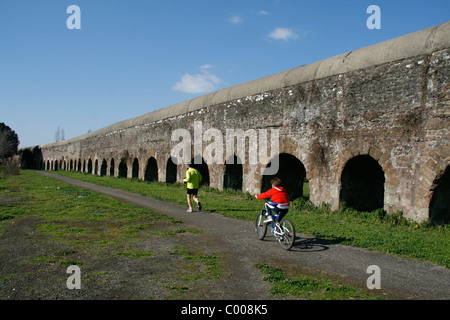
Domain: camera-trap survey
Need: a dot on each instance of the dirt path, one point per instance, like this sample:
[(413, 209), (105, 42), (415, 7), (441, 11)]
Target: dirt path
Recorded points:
[(400, 278)]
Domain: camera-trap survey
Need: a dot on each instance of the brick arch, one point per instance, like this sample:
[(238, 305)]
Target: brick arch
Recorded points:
[(382, 157), (363, 184), (89, 166), (439, 209), (234, 173), (103, 167), (292, 173), (430, 174), (112, 167), (135, 167), (171, 170), (199, 163), (123, 168), (151, 169)]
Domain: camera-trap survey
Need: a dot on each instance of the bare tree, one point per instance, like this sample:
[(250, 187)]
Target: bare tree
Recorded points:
[(58, 134)]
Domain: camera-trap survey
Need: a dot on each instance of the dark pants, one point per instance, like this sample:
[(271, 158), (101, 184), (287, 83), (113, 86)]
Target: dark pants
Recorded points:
[(274, 207)]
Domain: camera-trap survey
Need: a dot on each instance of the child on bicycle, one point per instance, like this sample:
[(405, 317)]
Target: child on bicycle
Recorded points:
[(279, 200)]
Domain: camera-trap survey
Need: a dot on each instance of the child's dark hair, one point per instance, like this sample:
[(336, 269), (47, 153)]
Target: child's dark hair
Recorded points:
[(276, 182)]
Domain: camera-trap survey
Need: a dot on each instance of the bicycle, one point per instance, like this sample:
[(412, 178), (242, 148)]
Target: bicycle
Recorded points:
[(283, 231)]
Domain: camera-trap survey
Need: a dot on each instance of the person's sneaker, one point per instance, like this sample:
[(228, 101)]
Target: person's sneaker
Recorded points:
[(189, 210), (199, 206), (269, 219)]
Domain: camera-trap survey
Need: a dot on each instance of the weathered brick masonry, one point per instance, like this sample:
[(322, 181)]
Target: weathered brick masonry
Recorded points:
[(370, 127)]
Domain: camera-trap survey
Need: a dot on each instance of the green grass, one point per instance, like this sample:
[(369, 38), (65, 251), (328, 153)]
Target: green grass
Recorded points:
[(69, 225), (372, 230), (212, 260), (136, 254), (308, 287)]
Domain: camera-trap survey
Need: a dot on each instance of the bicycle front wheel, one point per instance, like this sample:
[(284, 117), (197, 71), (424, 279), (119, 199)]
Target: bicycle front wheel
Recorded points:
[(260, 226), (287, 238)]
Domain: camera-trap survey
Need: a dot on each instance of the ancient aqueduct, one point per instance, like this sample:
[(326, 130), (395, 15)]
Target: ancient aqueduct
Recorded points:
[(369, 128)]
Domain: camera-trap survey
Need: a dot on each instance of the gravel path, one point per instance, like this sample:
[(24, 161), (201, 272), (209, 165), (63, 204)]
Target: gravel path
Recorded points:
[(400, 278)]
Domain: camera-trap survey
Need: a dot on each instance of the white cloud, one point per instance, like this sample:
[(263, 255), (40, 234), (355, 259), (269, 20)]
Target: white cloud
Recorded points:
[(206, 66), (263, 13), (283, 34), (235, 19), (204, 82)]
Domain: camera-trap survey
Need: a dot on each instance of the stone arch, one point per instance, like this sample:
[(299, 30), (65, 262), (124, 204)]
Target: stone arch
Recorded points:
[(135, 168), (89, 166), (440, 201), (111, 168), (171, 171), (96, 167), (123, 168), (362, 184), (233, 176), (292, 173), (200, 164), (103, 168), (151, 170)]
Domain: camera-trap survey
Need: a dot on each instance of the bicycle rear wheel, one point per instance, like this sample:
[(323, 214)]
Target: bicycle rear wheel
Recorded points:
[(260, 226), (287, 239)]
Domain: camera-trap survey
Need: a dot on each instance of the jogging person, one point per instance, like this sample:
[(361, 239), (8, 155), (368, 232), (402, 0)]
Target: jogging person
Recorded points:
[(279, 200), (193, 179)]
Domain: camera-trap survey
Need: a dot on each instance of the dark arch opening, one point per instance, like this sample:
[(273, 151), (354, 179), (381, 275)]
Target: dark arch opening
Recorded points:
[(151, 170), (233, 174), (48, 165), (96, 167), (440, 202), (103, 168), (135, 169), (123, 168), (199, 163), (363, 184), (292, 173), (171, 171), (56, 165), (89, 169), (111, 168), (79, 165)]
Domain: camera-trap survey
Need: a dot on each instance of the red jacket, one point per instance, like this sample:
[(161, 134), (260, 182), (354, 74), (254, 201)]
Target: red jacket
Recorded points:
[(277, 194)]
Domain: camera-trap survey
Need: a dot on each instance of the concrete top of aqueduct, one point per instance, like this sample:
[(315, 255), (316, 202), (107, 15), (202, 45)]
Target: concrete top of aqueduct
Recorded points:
[(422, 42)]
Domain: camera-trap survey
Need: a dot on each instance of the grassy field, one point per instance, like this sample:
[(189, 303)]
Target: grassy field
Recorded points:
[(50, 225), (123, 250), (372, 230)]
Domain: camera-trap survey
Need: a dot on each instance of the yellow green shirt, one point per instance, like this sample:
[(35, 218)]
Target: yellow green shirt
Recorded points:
[(193, 178)]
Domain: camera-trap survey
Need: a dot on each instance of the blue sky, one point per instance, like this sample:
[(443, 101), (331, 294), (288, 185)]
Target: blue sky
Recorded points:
[(131, 57)]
